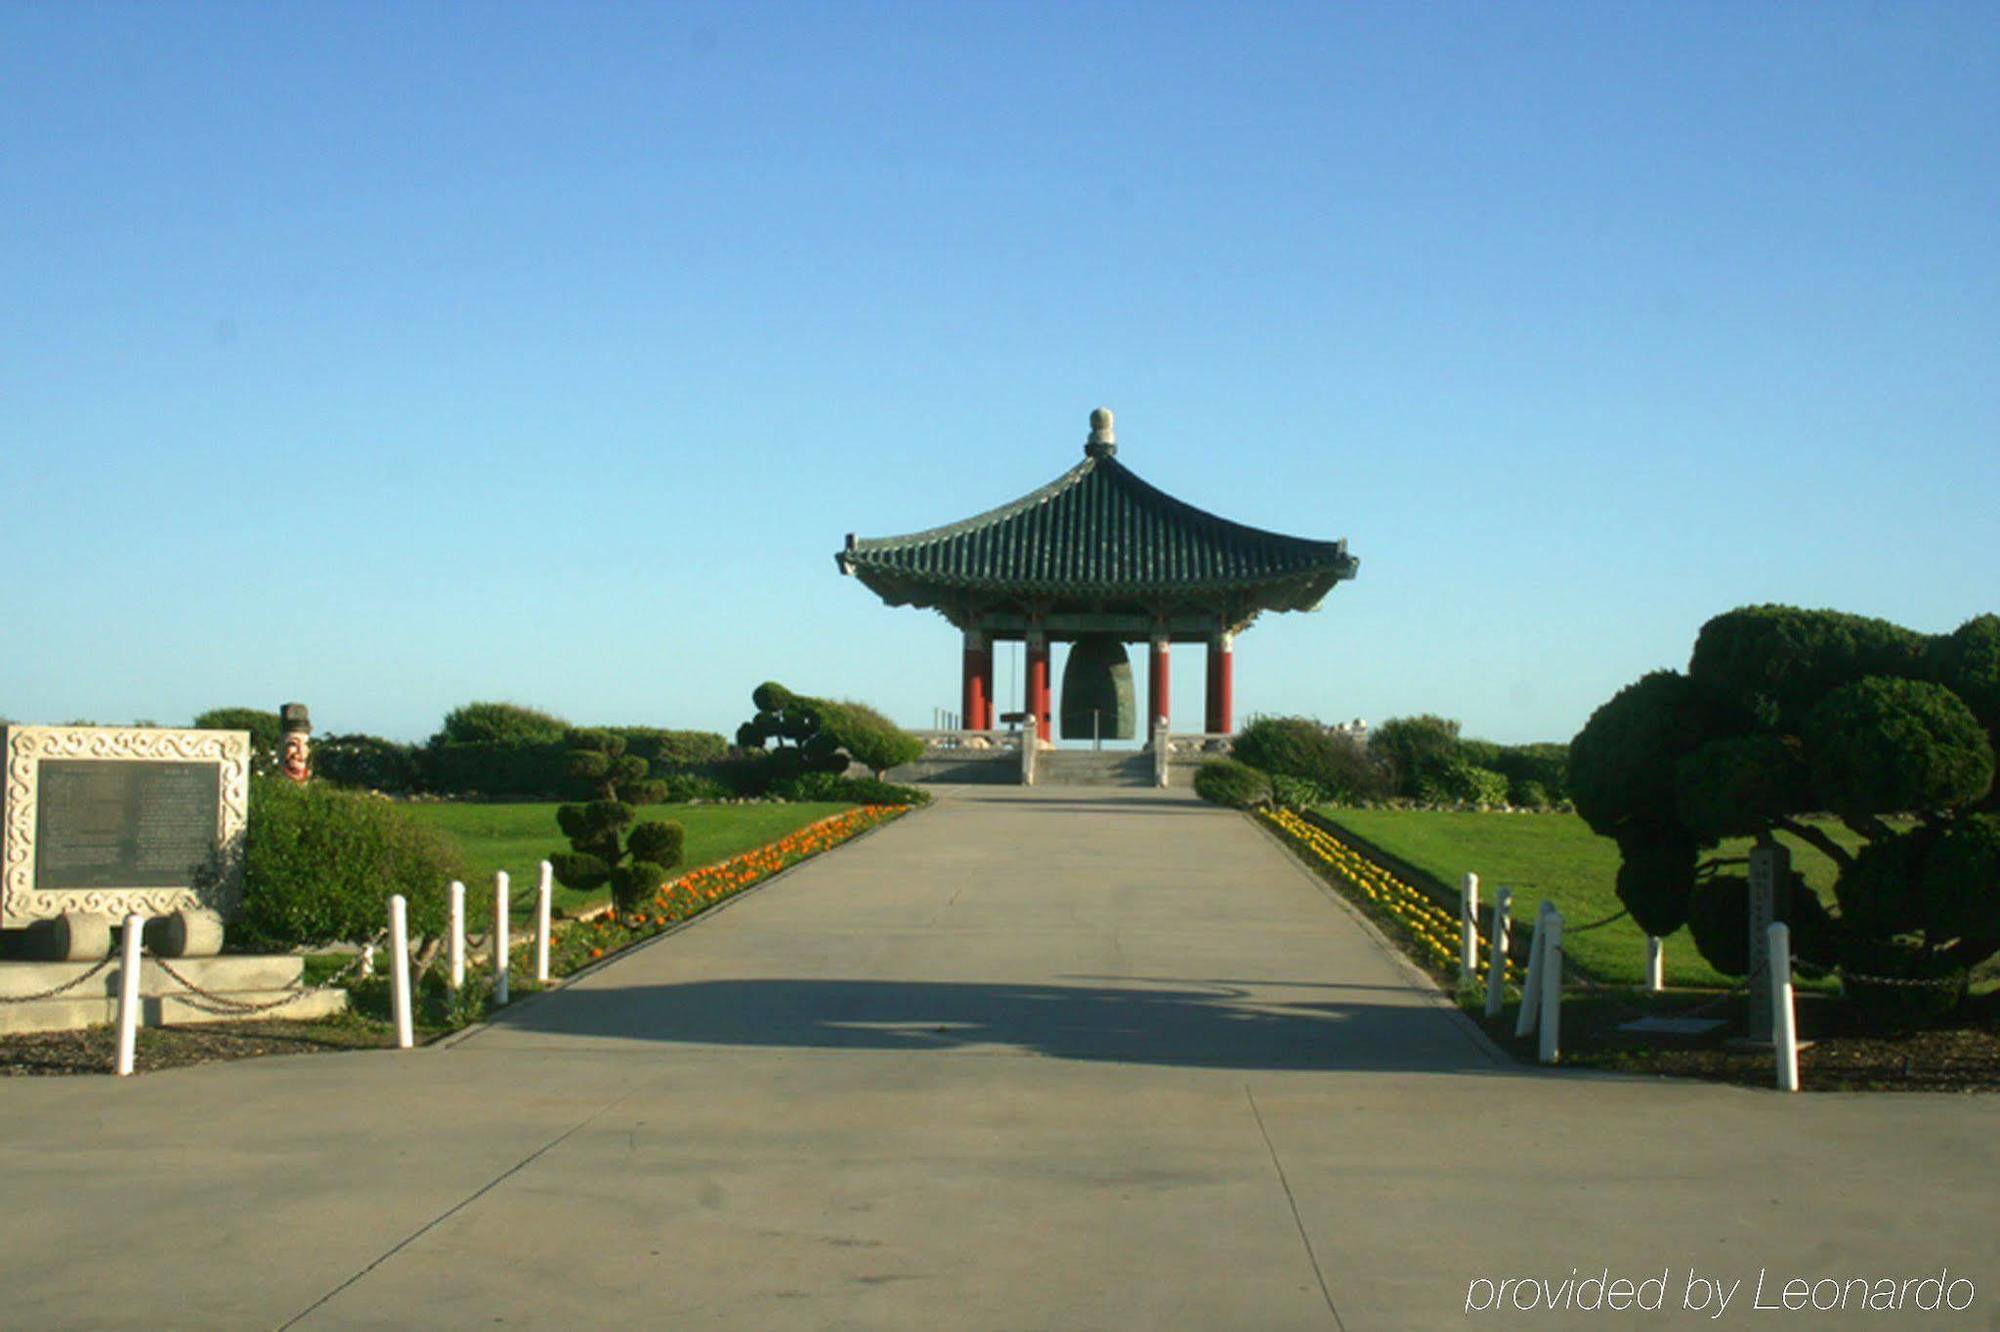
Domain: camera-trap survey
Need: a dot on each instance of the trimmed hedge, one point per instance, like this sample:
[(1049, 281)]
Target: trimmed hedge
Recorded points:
[(320, 865), (1227, 782)]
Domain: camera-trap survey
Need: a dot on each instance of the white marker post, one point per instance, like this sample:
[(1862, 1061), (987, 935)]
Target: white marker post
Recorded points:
[(1784, 1020), (457, 945), (399, 969), (500, 942), (128, 994), (368, 959), (1496, 963), (1552, 986), (1656, 964), (1530, 987), (544, 892), (1468, 929)]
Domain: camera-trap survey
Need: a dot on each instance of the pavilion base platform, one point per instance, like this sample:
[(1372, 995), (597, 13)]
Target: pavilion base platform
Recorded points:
[(164, 1001)]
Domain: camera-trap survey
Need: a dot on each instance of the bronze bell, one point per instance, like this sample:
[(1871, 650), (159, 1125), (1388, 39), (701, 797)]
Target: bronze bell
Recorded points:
[(1098, 679)]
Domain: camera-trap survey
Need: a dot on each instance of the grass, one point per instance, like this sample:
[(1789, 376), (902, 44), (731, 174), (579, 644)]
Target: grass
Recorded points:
[(1556, 856), (517, 838)]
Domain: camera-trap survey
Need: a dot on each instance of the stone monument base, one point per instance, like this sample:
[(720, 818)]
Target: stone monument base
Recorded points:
[(164, 1001)]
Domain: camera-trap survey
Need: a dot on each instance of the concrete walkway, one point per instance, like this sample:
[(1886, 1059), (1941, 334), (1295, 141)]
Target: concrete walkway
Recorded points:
[(1087, 1059)]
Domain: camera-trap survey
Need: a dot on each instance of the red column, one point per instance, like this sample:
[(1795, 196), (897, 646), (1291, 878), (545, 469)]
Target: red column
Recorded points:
[(1158, 706), (1221, 685), (990, 704), (1038, 681), (976, 688)]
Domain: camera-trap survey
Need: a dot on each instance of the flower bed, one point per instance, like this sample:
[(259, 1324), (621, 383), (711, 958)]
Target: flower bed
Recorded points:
[(575, 944), (1429, 932)]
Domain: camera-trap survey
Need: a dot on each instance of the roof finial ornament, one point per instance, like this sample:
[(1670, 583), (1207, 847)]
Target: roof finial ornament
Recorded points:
[(1103, 441)]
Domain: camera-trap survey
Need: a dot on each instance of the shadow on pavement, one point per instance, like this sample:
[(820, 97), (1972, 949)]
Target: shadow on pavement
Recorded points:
[(1182, 1027)]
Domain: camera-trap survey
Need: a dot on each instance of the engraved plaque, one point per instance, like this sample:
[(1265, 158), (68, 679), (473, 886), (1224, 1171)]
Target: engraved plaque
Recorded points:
[(110, 820), (124, 824)]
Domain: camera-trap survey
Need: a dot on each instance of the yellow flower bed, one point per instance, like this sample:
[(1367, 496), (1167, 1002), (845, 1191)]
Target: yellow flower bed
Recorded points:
[(1429, 927)]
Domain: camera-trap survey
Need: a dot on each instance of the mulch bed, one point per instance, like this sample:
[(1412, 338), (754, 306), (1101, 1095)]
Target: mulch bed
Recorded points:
[(95, 1049), (1846, 1054)]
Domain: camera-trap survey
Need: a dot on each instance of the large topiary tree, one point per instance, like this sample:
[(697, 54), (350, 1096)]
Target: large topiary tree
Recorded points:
[(1784, 713), (602, 851)]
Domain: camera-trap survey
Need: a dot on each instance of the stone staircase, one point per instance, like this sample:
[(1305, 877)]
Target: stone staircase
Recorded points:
[(1093, 767)]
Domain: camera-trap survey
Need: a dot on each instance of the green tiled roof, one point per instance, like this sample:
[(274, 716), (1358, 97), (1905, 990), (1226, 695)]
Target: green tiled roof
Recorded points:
[(1098, 530)]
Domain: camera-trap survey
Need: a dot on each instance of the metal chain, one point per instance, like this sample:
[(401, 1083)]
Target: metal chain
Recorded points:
[(222, 1004), (63, 988)]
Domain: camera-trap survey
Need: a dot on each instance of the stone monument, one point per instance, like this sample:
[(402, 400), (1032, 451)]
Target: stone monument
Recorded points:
[(98, 822)]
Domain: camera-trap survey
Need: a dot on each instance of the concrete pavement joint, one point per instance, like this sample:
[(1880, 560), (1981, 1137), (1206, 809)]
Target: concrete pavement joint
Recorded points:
[(1292, 1202), (462, 1204)]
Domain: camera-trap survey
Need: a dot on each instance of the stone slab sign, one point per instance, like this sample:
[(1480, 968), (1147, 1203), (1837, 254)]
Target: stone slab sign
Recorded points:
[(110, 820)]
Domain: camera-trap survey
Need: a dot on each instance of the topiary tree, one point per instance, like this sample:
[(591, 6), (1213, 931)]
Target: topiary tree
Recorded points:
[(1786, 712), (810, 735), (597, 758), (601, 851)]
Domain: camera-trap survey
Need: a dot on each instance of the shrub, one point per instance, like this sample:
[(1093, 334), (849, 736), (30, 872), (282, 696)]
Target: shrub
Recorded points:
[(682, 787), (1298, 792), (266, 733), (858, 790), (669, 750), (1410, 745), (1454, 781), (320, 865), (1302, 748), (1543, 764), (499, 724), (368, 762), (523, 771), (869, 738), (1227, 782)]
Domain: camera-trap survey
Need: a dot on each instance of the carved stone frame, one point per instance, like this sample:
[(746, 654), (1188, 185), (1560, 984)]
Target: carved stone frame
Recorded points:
[(26, 746)]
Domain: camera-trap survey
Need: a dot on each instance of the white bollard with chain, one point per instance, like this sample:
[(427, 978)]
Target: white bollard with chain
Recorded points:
[(457, 944), (1496, 965), (500, 942), (1552, 986), (544, 892), (128, 995), (1784, 1019), (1524, 1022), (1468, 929), (1656, 964), (399, 969)]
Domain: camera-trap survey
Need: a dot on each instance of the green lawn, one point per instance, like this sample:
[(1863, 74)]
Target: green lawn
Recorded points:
[(1556, 856), (517, 838)]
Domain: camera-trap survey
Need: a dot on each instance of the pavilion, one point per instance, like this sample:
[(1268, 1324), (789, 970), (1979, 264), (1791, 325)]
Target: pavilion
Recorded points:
[(1098, 558)]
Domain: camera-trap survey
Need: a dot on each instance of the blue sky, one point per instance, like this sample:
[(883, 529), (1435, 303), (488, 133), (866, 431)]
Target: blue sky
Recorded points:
[(392, 356)]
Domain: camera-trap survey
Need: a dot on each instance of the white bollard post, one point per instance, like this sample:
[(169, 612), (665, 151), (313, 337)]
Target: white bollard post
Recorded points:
[(1496, 963), (128, 994), (1552, 986), (1531, 992), (457, 945), (500, 940), (399, 969), (1784, 1019), (544, 893), (368, 959), (1468, 929), (1656, 964)]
